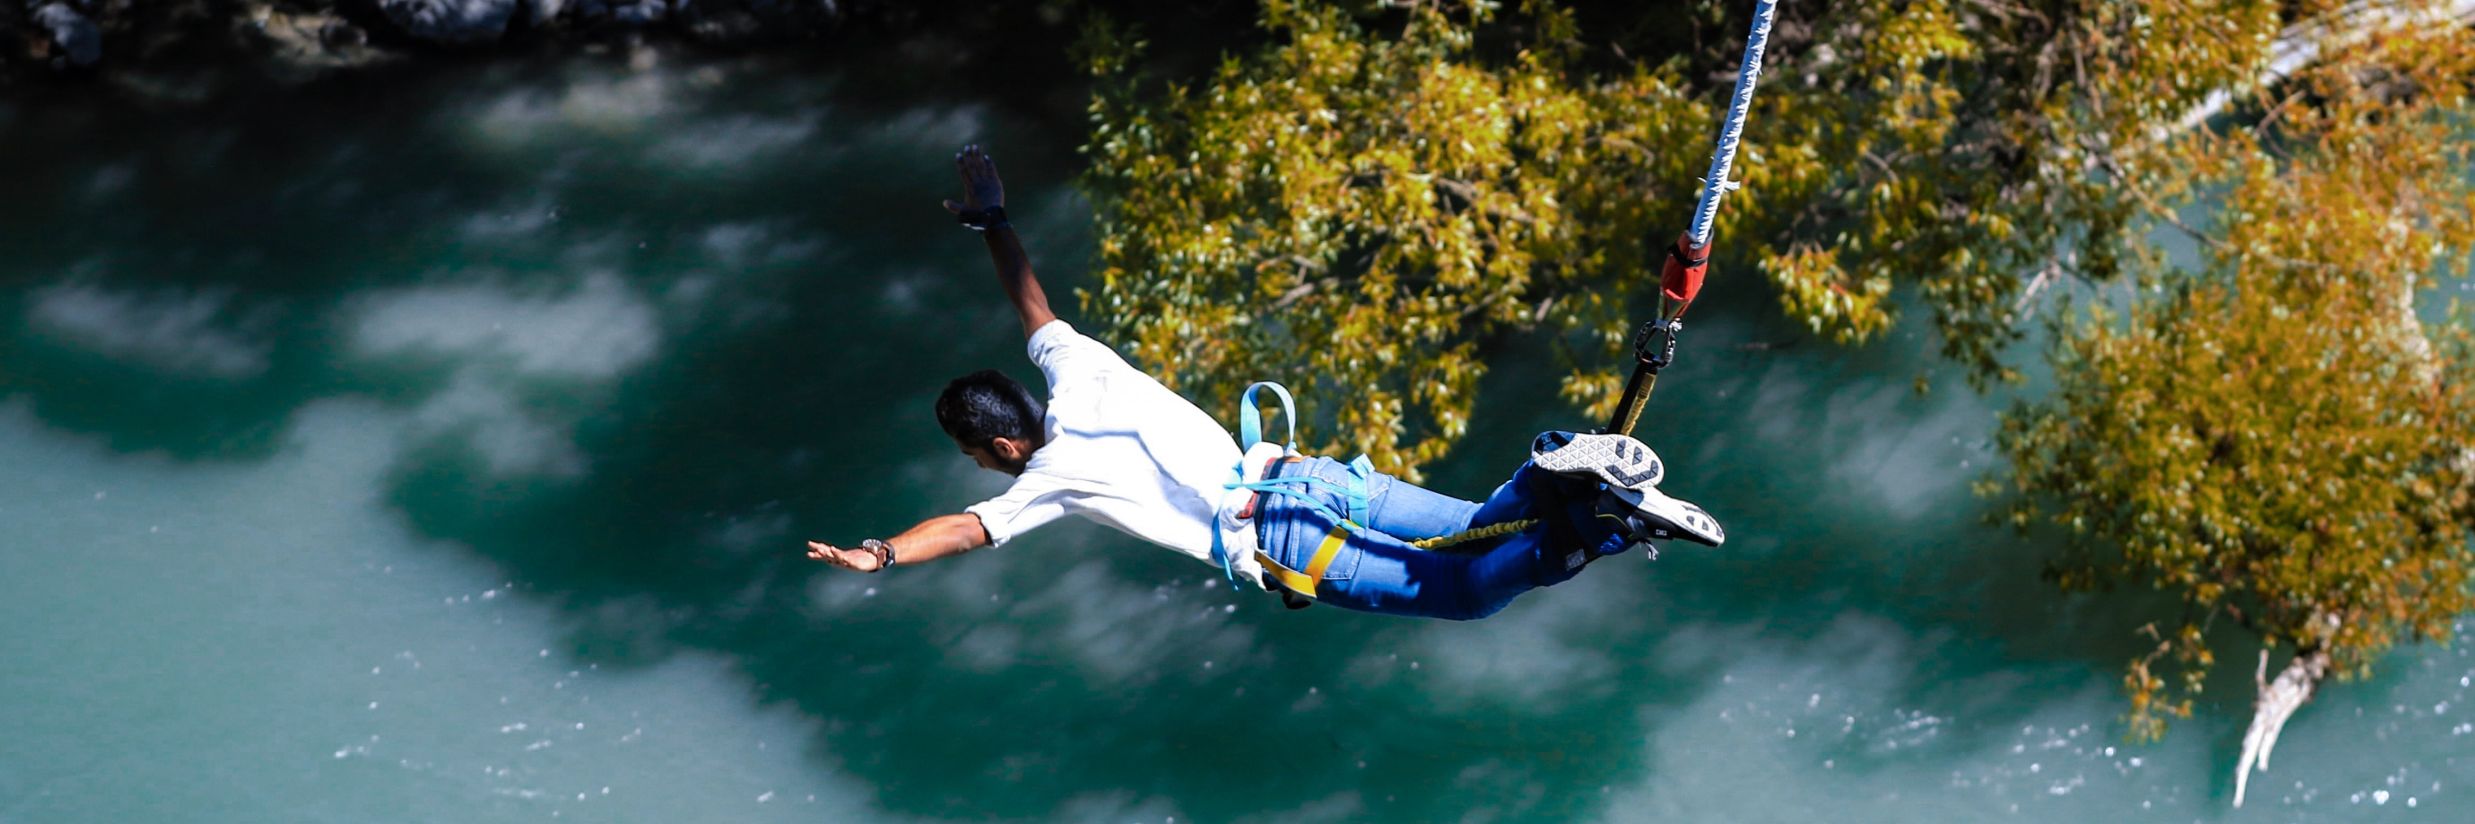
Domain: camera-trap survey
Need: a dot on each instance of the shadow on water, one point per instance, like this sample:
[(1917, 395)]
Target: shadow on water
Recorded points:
[(790, 399)]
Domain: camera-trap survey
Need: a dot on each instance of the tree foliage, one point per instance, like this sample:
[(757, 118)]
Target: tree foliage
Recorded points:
[(2278, 438), (1356, 214), (1364, 201)]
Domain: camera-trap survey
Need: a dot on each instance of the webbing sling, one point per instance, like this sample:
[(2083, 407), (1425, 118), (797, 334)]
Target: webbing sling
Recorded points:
[(1250, 432), (1250, 418)]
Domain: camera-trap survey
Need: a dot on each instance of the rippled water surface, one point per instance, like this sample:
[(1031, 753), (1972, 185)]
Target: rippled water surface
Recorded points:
[(435, 447)]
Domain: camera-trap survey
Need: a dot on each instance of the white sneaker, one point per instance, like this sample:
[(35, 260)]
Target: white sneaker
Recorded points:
[(1615, 460), (1651, 514)]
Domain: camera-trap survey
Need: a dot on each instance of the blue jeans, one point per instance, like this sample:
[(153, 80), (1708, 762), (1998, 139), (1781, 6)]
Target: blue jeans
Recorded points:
[(1377, 570)]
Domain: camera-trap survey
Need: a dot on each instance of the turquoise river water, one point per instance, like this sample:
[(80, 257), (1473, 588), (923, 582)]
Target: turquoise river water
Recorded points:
[(435, 446)]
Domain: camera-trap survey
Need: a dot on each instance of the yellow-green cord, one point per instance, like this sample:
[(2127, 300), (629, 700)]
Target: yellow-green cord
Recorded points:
[(1481, 533)]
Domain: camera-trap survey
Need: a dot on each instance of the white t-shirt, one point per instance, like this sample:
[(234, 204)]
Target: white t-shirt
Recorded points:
[(1122, 450)]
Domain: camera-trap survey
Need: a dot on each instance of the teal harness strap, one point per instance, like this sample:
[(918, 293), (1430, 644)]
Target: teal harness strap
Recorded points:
[(1286, 487), (1250, 419), (1220, 553), (1359, 470), (1250, 432)]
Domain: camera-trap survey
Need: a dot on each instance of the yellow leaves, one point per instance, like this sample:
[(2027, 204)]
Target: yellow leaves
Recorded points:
[(2235, 442), (1363, 208), (1597, 393), (1812, 285), (1359, 210)]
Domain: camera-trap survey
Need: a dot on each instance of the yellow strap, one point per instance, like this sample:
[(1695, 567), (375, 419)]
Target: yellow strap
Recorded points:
[(1303, 583), (1331, 548)]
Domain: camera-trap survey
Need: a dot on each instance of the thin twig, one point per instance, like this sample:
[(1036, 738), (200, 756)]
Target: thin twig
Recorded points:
[(1300, 291), (2106, 161)]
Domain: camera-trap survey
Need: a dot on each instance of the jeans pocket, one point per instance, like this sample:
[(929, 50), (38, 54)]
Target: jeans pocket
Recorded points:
[(1296, 534)]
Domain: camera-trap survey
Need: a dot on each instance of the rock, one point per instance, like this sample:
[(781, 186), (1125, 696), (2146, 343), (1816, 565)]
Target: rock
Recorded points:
[(742, 21), (338, 35), (626, 13), (303, 42), (80, 42), (451, 22), (637, 13)]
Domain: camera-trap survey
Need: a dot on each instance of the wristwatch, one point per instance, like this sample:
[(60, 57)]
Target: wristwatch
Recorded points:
[(884, 552), (981, 220)]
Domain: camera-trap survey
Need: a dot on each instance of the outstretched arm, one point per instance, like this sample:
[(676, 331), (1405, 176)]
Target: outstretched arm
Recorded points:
[(982, 191), (934, 538)]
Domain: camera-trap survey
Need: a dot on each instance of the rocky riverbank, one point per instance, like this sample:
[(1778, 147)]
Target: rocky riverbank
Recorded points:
[(76, 38)]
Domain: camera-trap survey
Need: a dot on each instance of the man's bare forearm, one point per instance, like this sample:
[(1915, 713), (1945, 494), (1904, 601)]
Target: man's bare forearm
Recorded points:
[(1005, 249), (938, 537)]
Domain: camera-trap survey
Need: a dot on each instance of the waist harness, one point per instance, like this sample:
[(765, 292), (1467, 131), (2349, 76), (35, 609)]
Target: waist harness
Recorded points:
[(1297, 587)]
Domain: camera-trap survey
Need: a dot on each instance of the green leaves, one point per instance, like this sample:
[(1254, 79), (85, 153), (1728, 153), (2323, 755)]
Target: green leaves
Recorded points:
[(1359, 207), (1357, 213), (2278, 438)]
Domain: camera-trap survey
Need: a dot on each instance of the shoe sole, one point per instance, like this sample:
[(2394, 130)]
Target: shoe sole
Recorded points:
[(1615, 460), (1669, 518)]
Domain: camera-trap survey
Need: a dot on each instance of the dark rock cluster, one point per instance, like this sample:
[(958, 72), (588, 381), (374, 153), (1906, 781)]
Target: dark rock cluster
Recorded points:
[(467, 22), (64, 32), (81, 36)]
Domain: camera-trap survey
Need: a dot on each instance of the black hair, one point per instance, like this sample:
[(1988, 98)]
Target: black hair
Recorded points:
[(983, 406)]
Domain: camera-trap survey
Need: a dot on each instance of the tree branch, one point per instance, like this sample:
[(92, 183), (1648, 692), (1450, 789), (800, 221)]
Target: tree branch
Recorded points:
[(2278, 700), (1300, 291), (2123, 182)]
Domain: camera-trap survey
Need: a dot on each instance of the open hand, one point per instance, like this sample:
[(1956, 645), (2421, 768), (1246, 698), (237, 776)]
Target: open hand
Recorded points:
[(854, 559), (981, 188)]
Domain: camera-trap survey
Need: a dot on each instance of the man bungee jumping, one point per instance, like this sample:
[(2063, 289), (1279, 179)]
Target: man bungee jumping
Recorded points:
[(1114, 445)]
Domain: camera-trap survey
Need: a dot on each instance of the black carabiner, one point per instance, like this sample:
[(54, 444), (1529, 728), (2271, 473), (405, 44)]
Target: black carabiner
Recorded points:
[(1655, 344)]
